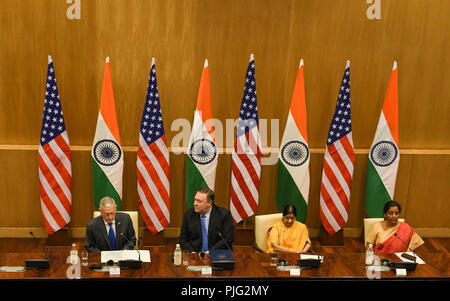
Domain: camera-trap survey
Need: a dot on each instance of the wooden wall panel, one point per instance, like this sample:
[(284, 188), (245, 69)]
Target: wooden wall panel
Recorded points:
[(181, 34), (19, 189), (427, 203), (30, 31), (82, 204), (421, 189)]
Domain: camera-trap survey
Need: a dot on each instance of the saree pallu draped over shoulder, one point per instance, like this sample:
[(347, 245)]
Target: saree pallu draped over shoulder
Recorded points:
[(398, 241)]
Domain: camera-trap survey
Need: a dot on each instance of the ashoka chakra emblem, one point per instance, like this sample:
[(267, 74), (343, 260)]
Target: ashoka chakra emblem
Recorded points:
[(203, 151), (107, 152), (295, 153), (383, 153)]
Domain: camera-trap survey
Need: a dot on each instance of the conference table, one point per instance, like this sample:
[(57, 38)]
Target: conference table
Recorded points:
[(249, 265), (252, 276)]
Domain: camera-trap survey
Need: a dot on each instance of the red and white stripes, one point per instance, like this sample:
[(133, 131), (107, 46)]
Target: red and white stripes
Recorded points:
[(153, 183), (245, 175), (336, 183), (55, 176)]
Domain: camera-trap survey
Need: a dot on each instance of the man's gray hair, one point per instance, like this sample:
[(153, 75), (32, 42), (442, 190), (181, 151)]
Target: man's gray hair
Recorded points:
[(106, 202)]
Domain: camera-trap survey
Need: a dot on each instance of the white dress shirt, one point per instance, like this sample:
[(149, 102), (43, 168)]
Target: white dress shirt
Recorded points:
[(207, 216), (113, 226)]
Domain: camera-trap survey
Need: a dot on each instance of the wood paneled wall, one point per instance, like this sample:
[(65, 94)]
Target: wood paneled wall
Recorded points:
[(180, 34)]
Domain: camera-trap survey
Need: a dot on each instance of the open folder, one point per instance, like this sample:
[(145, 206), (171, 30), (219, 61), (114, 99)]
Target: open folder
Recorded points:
[(116, 256)]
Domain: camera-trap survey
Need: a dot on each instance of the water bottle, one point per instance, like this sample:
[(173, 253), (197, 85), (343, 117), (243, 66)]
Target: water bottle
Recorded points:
[(74, 254), (177, 255), (369, 255)]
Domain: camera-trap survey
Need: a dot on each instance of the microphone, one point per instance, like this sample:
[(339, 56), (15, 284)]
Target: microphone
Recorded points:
[(130, 264), (39, 240), (31, 264), (407, 256), (222, 259), (309, 263), (313, 251), (123, 235), (220, 235)]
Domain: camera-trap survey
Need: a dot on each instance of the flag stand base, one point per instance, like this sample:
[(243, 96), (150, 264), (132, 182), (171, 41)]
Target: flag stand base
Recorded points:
[(327, 240), (153, 240), (59, 239)]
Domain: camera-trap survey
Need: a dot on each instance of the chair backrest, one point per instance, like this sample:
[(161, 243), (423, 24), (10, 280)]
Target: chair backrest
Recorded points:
[(369, 222), (262, 224), (134, 219)]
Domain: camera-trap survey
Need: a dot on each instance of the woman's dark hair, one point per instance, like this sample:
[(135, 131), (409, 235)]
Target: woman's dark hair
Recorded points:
[(390, 204), (289, 209)]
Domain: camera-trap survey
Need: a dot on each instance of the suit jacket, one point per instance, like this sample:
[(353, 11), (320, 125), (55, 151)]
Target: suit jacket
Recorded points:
[(191, 230), (97, 236)]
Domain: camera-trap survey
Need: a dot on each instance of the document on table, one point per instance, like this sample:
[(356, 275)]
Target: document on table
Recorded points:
[(125, 255), (307, 256), (418, 259)]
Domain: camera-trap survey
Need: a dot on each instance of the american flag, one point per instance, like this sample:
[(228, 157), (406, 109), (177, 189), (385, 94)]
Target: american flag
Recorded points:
[(153, 162), (55, 167), (246, 164), (338, 163)]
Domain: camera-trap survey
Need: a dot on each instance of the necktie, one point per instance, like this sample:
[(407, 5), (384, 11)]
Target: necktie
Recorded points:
[(112, 237), (204, 235)]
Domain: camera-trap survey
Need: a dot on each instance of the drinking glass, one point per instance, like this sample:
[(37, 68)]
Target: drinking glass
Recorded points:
[(273, 259), (84, 258), (186, 256)]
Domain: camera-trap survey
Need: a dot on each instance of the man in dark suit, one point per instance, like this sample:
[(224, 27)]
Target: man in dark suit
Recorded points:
[(205, 223), (103, 233)]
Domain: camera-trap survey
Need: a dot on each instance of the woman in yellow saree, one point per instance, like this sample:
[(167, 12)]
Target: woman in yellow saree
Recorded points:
[(392, 236), (288, 235)]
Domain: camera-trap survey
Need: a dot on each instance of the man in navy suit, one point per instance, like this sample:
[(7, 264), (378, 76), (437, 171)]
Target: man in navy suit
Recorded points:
[(103, 233), (205, 223)]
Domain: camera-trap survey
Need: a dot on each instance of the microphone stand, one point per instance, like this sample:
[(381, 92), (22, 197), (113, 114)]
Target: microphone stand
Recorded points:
[(408, 248), (43, 248), (220, 235), (225, 263), (37, 263), (309, 263), (131, 264), (409, 266), (312, 251)]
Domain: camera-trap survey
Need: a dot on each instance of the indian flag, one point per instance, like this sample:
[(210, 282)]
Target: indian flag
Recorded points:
[(384, 154), (201, 157), (107, 154), (293, 158)]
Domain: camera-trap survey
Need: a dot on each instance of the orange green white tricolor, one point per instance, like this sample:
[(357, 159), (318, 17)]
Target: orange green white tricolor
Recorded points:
[(201, 156), (384, 155), (293, 158), (107, 154)]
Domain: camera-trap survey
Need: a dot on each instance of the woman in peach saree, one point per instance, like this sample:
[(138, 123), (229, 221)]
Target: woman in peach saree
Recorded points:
[(392, 236)]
